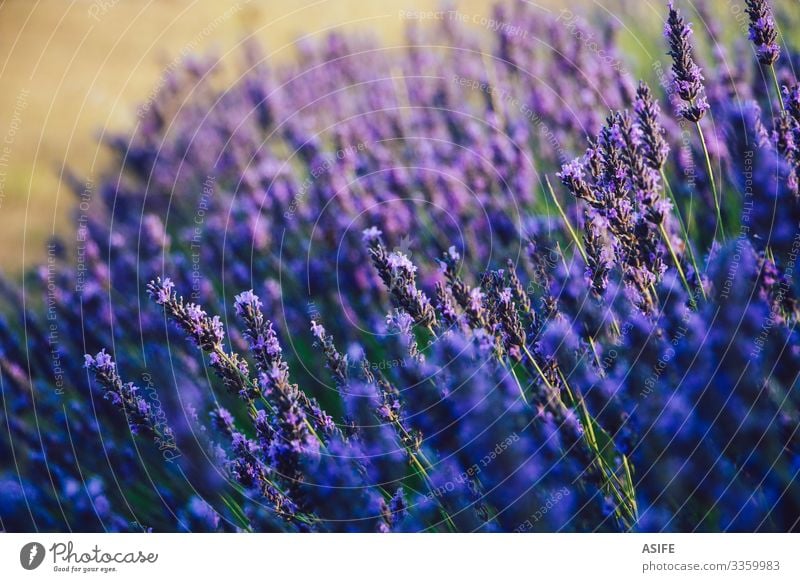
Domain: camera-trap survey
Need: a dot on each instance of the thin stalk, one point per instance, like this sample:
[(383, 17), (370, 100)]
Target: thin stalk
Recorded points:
[(574, 237), (684, 230), (629, 480), (423, 473), (596, 356), (516, 379), (615, 326), (571, 230), (426, 478), (591, 440), (612, 482), (433, 333), (711, 178), (563, 256), (422, 469), (652, 295), (538, 369), (675, 260), (236, 511), (777, 87)]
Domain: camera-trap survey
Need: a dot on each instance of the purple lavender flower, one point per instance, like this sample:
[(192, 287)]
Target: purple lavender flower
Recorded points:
[(791, 99), (394, 512), (398, 274), (207, 333), (335, 361), (163, 291), (762, 31), (599, 253), (125, 396), (786, 136), (373, 233), (204, 330), (258, 331), (654, 145), (688, 79), (572, 176)]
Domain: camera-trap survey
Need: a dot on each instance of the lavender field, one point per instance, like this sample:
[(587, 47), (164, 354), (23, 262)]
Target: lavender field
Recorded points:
[(539, 288)]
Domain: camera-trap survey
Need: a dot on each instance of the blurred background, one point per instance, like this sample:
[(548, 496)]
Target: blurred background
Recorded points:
[(74, 71)]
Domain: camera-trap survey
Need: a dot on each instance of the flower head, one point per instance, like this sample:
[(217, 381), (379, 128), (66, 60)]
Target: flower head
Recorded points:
[(246, 300), (687, 77), (762, 31), (373, 233), (654, 145)]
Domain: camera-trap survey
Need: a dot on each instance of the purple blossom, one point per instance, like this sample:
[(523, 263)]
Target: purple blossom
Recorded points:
[(125, 396), (246, 300), (762, 31), (687, 77), (371, 234), (400, 264), (164, 291), (648, 113)]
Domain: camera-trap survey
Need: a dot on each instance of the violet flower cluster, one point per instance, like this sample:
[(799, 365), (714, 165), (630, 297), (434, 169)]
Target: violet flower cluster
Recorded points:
[(763, 32), (688, 76), (324, 298)]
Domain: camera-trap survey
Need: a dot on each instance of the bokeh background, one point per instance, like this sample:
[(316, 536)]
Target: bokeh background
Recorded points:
[(72, 73)]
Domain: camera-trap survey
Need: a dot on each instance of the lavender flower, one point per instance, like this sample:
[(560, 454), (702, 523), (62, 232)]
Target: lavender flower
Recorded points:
[(791, 99), (205, 331), (335, 361), (125, 396), (599, 253), (394, 512), (505, 315), (572, 177), (258, 332), (688, 79), (469, 299), (248, 470), (786, 135), (398, 273), (762, 31), (654, 145)]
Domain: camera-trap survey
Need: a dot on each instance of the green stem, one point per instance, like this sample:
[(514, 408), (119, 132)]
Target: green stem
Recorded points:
[(676, 261), (571, 230), (624, 504), (711, 178), (684, 229), (422, 471), (625, 495), (592, 344), (516, 379), (777, 87)]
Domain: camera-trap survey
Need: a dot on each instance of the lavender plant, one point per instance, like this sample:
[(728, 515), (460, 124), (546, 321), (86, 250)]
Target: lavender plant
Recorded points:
[(324, 299)]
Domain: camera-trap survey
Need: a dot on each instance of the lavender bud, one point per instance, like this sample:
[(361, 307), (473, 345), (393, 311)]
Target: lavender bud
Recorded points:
[(688, 79), (125, 396), (335, 361), (398, 274), (654, 146), (762, 31)]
